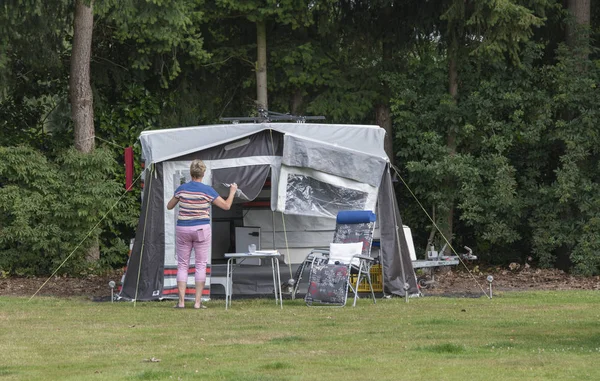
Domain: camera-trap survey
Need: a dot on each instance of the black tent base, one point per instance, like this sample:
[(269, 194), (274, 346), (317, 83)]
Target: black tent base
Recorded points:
[(250, 282), (257, 282)]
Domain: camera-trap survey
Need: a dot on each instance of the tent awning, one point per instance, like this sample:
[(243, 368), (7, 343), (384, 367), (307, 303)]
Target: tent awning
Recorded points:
[(165, 144)]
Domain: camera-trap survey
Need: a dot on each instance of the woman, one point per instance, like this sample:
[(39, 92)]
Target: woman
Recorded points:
[(193, 228)]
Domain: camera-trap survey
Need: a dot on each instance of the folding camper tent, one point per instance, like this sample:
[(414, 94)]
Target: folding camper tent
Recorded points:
[(293, 178)]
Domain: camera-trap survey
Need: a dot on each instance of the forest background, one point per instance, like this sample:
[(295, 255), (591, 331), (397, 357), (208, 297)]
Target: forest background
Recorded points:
[(491, 110)]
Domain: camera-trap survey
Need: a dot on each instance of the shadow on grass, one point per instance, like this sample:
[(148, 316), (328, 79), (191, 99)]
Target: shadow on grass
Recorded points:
[(286, 340), (446, 348), (6, 371), (437, 322), (153, 375), (276, 366)]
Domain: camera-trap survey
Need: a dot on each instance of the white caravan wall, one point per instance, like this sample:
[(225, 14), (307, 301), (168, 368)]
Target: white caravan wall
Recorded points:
[(303, 233)]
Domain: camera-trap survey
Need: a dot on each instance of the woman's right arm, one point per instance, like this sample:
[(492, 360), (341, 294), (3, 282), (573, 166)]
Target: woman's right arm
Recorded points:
[(226, 204), (172, 203)]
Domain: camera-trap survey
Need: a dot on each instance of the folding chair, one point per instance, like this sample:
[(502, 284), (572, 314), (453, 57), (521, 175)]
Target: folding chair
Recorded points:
[(351, 248)]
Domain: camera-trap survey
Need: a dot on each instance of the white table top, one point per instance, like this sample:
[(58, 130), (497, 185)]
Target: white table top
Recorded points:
[(256, 254)]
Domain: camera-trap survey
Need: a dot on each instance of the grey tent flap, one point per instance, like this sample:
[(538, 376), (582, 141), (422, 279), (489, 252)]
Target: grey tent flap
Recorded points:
[(250, 180), (332, 159)]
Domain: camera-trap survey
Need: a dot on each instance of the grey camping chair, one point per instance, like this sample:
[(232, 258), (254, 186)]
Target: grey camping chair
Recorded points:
[(331, 270)]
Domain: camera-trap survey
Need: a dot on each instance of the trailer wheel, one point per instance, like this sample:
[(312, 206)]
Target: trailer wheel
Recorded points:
[(423, 282)]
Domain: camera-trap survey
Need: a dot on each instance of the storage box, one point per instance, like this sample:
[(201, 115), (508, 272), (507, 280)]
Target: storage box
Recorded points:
[(244, 237), (376, 280)]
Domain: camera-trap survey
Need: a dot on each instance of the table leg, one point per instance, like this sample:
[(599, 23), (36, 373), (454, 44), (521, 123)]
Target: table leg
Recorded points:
[(357, 283), (274, 279), (278, 282), (228, 283)]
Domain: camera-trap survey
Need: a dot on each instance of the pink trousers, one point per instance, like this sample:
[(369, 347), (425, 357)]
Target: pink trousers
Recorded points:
[(196, 237)]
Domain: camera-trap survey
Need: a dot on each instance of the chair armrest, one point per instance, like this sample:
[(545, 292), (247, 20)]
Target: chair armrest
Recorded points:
[(364, 257), (318, 253)]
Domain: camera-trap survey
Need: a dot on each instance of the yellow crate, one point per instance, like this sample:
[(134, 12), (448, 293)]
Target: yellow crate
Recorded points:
[(376, 280)]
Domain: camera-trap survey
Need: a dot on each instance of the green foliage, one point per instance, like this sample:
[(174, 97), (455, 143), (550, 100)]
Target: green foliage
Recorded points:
[(18, 123), (287, 12), (32, 36), (525, 174), (48, 208), (297, 66), (33, 74), (159, 31), (523, 177), (339, 75), (136, 110), (492, 28), (569, 221)]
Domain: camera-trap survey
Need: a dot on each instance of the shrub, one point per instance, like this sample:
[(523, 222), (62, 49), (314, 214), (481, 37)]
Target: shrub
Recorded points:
[(52, 209)]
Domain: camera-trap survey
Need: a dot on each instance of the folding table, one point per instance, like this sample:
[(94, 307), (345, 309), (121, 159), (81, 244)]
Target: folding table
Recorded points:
[(272, 254)]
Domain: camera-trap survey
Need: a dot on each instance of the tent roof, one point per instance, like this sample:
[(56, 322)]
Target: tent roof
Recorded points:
[(161, 145)]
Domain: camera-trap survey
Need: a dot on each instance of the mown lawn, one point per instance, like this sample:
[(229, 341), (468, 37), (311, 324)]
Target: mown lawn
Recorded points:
[(514, 336)]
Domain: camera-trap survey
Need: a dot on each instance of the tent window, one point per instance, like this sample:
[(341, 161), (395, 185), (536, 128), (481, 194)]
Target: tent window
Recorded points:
[(308, 196)]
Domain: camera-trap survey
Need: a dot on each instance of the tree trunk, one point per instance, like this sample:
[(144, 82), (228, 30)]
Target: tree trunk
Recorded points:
[(383, 113), (451, 138), (580, 11), (453, 90), (82, 110), (297, 101), (261, 65), (383, 118)]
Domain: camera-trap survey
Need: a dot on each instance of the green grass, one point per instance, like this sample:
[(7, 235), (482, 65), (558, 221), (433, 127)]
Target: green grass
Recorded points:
[(515, 336)]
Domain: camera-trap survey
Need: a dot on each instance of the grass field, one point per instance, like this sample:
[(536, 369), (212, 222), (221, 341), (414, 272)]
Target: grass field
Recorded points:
[(514, 336)]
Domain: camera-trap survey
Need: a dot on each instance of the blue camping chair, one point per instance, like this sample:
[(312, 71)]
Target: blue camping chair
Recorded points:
[(349, 253)]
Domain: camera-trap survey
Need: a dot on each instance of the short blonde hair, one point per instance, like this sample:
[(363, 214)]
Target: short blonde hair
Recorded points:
[(197, 169)]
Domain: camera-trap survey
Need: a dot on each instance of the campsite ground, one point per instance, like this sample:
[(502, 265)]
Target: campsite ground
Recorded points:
[(459, 283), (454, 282)]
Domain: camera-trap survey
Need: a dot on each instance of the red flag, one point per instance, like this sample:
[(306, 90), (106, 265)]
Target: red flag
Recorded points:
[(128, 168)]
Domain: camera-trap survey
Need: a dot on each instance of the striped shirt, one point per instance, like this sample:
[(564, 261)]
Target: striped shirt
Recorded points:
[(194, 203)]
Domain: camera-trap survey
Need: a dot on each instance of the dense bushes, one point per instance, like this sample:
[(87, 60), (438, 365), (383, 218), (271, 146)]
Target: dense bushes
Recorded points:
[(525, 179), (48, 208)]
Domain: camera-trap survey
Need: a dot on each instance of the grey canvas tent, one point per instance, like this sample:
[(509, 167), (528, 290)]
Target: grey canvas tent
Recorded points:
[(303, 173)]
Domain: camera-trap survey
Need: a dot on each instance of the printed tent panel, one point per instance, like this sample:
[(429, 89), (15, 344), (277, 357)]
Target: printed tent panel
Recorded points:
[(320, 179), (305, 191)]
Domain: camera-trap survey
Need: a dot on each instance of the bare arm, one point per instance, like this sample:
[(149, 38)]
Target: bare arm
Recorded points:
[(226, 204), (172, 203)]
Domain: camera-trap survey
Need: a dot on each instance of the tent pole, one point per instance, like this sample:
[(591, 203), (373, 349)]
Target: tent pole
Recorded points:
[(287, 249), (391, 189), (282, 218), (137, 284), (273, 223)]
